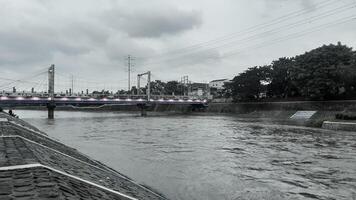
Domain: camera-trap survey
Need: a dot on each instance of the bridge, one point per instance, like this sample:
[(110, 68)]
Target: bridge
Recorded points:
[(51, 99)]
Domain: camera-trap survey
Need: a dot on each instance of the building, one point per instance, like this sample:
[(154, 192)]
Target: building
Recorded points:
[(217, 87), (218, 84)]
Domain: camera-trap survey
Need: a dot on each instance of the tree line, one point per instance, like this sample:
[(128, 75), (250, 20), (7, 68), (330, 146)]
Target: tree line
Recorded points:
[(324, 73), (158, 87)]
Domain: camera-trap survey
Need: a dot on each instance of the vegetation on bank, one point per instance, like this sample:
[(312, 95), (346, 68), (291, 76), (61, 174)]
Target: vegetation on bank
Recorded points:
[(324, 73)]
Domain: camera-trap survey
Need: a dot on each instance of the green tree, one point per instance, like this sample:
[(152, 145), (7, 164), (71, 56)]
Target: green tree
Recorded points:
[(133, 90), (172, 87), (249, 84), (157, 87), (320, 73), (280, 85)]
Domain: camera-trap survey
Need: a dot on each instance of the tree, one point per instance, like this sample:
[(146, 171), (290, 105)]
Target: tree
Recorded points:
[(227, 89), (280, 85), (157, 87), (320, 73), (172, 87), (133, 90), (250, 84)]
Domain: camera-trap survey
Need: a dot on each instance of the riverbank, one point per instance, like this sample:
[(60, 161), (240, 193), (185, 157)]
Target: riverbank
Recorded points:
[(282, 112), (33, 165), (272, 112)]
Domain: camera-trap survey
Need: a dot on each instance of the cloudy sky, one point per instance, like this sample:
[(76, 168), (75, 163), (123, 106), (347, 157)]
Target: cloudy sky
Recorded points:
[(204, 39)]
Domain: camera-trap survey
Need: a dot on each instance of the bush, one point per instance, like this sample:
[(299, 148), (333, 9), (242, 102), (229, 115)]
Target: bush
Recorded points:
[(346, 116)]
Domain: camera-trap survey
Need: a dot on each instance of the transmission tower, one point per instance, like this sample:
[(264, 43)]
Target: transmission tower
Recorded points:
[(184, 84)]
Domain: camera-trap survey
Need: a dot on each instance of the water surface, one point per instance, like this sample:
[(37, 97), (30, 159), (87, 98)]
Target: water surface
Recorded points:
[(212, 157)]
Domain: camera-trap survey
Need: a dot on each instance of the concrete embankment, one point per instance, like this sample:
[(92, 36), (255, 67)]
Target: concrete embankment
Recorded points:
[(283, 111), (35, 166), (339, 125), (276, 112)]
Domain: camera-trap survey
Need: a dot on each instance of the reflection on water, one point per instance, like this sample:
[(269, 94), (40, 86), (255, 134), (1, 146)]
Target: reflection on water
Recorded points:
[(212, 157)]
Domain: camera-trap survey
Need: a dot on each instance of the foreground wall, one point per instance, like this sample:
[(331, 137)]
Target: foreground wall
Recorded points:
[(36, 166), (282, 111), (296, 105)]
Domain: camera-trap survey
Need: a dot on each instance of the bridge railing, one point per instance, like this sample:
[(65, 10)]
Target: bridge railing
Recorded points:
[(97, 96), (108, 100)]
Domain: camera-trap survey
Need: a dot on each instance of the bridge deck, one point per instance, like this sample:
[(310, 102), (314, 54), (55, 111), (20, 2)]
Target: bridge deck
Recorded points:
[(16, 101)]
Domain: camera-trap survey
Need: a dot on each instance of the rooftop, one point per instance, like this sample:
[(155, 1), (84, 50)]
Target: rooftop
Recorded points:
[(218, 80)]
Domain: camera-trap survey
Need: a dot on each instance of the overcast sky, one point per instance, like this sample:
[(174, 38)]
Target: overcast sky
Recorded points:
[(204, 39)]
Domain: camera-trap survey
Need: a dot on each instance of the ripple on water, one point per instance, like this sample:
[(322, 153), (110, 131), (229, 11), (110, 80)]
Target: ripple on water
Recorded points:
[(214, 157)]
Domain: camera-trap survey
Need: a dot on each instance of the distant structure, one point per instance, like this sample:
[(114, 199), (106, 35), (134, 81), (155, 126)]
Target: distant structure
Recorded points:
[(218, 84), (199, 90), (217, 87)]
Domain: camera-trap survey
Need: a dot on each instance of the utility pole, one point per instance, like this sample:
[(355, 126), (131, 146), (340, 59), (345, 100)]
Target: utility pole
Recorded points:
[(72, 84), (129, 65), (189, 87), (138, 84), (186, 81)]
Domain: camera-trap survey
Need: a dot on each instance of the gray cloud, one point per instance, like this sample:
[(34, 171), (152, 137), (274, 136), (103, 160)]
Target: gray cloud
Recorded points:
[(91, 38), (308, 5), (118, 47), (28, 46), (153, 23)]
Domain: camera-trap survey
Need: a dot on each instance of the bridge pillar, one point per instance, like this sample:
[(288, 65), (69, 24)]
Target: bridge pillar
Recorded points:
[(50, 107), (138, 84), (198, 107), (143, 107), (143, 112), (148, 91), (148, 86), (51, 82)]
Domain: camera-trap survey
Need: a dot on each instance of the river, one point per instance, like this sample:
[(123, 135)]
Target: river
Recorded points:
[(212, 157)]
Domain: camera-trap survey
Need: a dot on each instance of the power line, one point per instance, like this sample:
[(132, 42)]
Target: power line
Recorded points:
[(22, 79), (289, 36), (250, 29), (274, 30), (302, 33)]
